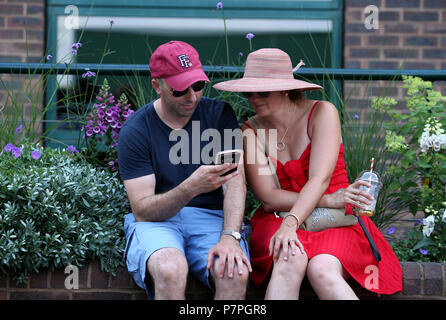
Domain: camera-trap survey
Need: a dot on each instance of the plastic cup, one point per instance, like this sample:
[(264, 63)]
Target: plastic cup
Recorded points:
[(376, 185)]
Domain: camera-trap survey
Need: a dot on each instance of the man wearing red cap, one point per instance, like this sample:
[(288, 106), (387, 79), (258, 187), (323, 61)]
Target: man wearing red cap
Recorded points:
[(182, 221)]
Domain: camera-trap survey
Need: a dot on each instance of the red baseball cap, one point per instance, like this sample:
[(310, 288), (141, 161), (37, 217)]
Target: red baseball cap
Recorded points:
[(178, 64)]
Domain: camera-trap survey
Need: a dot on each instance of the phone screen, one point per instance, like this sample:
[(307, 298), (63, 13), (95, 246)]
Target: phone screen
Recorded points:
[(228, 157)]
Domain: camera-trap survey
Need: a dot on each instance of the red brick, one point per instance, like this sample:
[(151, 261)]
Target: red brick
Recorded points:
[(34, 10), (121, 280), (420, 16), (10, 9), (401, 53), (384, 65), (403, 3), (435, 27), (12, 34), (411, 278), (383, 40), (421, 41), (58, 278), (3, 295), (400, 28), (30, 295), (25, 22), (431, 4), (98, 278), (38, 280), (433, 279), (364, 53), (393, 16), (434, 53), (3, 281)]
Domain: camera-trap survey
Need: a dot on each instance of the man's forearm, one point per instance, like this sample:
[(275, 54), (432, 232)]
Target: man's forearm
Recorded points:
[(234, 203), (159, 207)]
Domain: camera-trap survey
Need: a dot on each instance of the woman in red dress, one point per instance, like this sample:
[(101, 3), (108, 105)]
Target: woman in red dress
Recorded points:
[(303, 140)]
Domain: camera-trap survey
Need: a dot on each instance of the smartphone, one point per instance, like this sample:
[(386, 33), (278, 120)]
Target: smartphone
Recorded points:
[(229, 156)]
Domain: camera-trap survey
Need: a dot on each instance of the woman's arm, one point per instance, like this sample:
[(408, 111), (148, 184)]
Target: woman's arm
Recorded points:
[(325, 132)]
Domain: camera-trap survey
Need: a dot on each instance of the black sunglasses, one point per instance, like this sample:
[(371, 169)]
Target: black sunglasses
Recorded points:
[(261, 94), (197, 86)]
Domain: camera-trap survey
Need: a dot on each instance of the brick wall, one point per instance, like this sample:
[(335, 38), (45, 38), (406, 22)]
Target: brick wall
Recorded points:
[(420, 281), (409, 31), (411, 34), (22, 29), (22, 39)]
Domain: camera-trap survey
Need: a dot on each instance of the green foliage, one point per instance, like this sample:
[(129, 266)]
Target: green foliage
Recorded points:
[(56, 211), (363, 141), (418, 139)]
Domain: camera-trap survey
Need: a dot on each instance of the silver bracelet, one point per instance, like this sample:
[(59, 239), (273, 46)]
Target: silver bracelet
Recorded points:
[(295, 216)]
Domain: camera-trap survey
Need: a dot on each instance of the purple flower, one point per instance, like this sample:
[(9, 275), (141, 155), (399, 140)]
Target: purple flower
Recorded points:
[(74, 52), (356, 116), (89, 74), (391, 230), (76, 45), (249, 36), (19, 128), (219, 5), (240, 54), (16, 152), (35, 155), (424, 252), (71, 149), (48, 57), (418, 222), (9, 147)]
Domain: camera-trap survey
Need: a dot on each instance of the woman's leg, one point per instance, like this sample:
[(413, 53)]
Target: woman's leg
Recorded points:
[(327, 277), (287, 276)]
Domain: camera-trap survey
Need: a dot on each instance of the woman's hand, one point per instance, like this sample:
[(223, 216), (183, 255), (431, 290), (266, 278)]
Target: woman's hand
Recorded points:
[(286, 239), (352, 195)]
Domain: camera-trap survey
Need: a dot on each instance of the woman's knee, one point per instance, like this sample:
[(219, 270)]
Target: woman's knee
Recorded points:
[(324, 270), (294, 265)]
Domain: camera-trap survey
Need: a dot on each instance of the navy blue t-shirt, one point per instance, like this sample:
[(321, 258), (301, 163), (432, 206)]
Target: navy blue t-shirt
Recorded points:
[(147, 145)]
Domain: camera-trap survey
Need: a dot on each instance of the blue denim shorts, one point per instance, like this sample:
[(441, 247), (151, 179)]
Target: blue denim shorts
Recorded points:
[(193, 231)]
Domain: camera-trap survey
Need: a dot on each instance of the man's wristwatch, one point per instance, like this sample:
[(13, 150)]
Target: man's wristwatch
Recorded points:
[(237, 236)]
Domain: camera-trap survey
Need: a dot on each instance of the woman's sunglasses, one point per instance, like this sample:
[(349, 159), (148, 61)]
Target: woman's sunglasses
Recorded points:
[(261, 94), (197, 86)]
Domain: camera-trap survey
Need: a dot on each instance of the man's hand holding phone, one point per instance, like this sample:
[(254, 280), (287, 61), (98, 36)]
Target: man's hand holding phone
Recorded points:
[(229, 156)]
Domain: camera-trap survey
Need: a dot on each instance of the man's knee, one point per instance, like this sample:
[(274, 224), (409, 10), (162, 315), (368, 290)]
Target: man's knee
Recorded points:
[(239, 277), (168, 267)]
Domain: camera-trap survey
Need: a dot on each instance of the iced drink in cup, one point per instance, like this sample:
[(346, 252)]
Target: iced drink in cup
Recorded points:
[(375, 182)]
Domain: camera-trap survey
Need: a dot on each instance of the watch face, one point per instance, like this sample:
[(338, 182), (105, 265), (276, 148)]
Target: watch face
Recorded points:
[(235, 234)]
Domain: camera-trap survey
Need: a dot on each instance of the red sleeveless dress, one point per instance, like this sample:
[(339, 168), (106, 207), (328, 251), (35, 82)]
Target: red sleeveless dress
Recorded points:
[(348, 244)]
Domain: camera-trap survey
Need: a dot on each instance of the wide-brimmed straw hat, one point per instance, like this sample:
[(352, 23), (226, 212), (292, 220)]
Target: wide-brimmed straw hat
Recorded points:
[(267, 69)]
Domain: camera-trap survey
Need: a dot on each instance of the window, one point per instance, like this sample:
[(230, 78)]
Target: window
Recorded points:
[(308, 30)]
